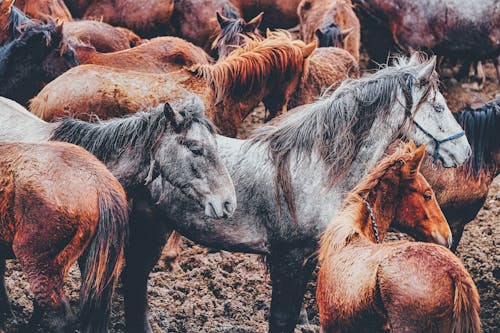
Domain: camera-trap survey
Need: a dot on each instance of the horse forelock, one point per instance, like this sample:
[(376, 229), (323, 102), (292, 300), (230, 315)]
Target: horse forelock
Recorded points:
[(482, 128), (254, 68), (348, 222)]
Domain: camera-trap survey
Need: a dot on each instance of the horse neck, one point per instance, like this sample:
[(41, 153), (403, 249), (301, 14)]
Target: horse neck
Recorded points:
[(381, 135)]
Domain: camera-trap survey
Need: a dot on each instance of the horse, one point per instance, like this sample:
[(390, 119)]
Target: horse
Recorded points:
[(292, 175), (232, 32), (33, 59), (263, 70), (157, 55), (46, 10), (334, 23), (148, 18), (102, 36), (470, 33), (47, 224), (279, 14), (365, 285), (195, 20), (462, 191)]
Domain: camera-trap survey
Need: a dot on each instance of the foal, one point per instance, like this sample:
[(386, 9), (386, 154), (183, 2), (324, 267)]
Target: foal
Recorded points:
[(404, 286)]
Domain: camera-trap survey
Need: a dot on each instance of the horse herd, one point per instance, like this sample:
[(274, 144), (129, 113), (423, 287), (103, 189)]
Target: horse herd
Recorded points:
[(112, 143)]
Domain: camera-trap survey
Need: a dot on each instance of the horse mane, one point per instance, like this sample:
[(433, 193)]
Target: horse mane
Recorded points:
[(345, 226), (482, 128), (336, 125), (259, 63), (108, 138)]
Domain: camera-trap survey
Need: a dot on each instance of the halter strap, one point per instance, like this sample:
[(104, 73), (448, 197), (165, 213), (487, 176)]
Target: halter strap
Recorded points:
[(372, 218), (437, 142)]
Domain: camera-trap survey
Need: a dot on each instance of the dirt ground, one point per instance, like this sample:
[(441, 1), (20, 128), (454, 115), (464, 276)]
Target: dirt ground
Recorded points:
[(218, 291)]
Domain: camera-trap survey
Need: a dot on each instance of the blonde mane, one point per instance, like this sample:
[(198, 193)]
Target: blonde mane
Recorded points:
[(344, 227), (251, 69)]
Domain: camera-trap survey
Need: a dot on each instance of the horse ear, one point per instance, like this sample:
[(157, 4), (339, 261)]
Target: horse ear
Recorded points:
[(268, 33), (318, 33), (223, 21), (346, 32), (425, 72), (416, 161), (254, 23), (59, 27), (174, 117), (309, 48)]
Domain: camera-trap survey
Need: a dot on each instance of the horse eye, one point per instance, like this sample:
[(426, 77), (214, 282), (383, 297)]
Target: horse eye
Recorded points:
[(427, 196), (197, 150), (438, 108)]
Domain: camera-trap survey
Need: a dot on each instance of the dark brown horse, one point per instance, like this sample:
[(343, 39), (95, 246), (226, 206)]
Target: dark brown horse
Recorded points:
[(157, 55), (35, 58), (45, 10), (148, 17), (267, 70), (467, 31), (401, 286), (462, 191), (57, 201), (334, 23)]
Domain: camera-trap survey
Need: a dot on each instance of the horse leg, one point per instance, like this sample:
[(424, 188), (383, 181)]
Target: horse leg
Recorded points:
[(496, 62), (172, 250), (464, 70), (146, 241), (479, 73), (290, 272), (5, 308)]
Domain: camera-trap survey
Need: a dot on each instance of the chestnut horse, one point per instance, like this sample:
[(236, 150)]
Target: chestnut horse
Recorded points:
[(45, 10), (469, 32), (195, 21), (266, 70), (333, 22), (148, 18), (462, 191), (32, 60), (157, 55), (279, 13), (57, 201), (365, 286), (232, 34)]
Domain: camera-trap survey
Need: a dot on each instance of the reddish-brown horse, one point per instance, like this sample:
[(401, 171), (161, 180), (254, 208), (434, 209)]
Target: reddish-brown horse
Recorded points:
[(278, 13), (148, 17), (45, 10), (334, 23), (267, 70), (462, 191), (56, 201), (158, 55), (402, 286)]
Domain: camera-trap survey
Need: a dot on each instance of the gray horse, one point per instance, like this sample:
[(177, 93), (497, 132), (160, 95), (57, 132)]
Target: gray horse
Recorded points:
[(173, 145), (291, 178)]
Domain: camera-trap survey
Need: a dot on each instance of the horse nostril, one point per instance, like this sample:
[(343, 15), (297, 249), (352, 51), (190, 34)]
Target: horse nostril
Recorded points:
[(228, 206)]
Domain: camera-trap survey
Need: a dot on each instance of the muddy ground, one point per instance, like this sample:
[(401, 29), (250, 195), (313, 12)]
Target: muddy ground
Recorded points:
[(218, 291)]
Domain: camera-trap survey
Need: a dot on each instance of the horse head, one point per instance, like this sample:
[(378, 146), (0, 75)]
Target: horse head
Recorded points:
[(186, 156)]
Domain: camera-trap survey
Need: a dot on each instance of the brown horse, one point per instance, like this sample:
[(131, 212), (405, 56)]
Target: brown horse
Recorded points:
[(328, 67), (102, 36), (334, 23), (195, 20), (158, 55), (279, 13), (45, 10), (148, 17), (232, 34), (402, 286), (266, 70), (57, 201), (462, 191)]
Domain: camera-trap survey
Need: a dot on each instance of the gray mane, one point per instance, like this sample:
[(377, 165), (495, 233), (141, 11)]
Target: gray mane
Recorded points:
[(107, 139), (336, 125)]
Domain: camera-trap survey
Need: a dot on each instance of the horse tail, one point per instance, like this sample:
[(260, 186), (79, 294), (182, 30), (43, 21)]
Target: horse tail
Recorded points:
[(466, 307), (104, 259)]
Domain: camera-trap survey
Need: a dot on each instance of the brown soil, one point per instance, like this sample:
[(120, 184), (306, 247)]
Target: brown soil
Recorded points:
[(218, 291)]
